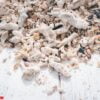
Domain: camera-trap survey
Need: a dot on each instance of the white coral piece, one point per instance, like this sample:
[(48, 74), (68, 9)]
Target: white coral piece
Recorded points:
[(8, 26), (36, 55), (22, 17), (62, 69), (72, 18), (4, 36), (17, 36), (48, 51), (47, 32), (68, 40), (60, 3)]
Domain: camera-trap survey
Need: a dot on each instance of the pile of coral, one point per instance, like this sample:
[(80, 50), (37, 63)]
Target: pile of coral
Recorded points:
[(54, 34)]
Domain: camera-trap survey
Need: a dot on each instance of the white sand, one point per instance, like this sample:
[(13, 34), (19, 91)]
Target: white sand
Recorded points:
[(84, 83)]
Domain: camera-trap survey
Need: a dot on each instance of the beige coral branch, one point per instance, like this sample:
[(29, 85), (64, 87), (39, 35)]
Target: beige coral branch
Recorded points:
[(68, 40), (62, 69)]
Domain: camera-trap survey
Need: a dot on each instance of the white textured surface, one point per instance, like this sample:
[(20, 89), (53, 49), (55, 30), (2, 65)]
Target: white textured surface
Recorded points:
[(83, 85)]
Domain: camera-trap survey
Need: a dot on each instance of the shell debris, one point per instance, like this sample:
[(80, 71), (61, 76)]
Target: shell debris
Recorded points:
[(47, 33)]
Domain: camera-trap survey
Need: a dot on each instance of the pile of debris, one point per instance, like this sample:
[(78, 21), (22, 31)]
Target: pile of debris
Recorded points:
[(55, 34)]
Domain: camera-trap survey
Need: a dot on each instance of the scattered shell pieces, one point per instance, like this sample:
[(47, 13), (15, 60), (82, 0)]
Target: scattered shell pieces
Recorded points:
[(51, 34)]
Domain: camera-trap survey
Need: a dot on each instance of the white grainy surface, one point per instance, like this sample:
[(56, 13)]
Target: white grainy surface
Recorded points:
[(83, 85)]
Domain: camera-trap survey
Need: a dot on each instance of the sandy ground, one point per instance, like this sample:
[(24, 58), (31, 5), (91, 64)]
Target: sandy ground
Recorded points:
[(83, 85)]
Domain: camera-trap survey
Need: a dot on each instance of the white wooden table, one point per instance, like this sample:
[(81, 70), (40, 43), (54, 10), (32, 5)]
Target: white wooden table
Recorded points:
[(83, 85)]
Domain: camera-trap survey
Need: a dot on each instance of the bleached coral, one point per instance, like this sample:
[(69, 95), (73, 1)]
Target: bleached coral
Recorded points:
[(48, 51), (49, 34), (4, 36), (60, 3), (62, 69), (72, 18), (8, 26), (68, 40)]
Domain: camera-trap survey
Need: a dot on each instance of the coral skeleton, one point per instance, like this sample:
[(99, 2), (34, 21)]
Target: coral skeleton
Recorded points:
[(50, 34)]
